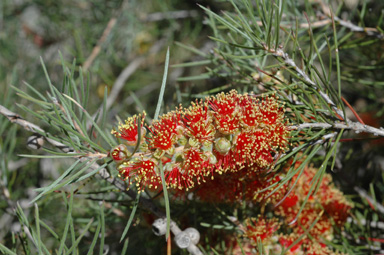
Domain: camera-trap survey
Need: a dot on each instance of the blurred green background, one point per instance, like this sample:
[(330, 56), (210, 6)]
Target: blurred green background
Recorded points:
[(109, 38)]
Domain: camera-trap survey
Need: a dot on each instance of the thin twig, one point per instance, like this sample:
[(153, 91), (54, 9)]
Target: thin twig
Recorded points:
[(373, 224), (96, 50), (354, 28), (354, 126), (17, 119), (369, 31), (353, 110)]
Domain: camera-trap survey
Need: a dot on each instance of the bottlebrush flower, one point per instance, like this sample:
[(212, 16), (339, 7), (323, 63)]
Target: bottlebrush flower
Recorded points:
[(228, 132), (287, 241), (164, 132), (227, 112), (322, 212), (129, 130), (143, 171), (261, 229)]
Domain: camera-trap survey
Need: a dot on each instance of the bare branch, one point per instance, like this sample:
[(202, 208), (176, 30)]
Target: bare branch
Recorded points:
[(354, 28), (354, 126), (369, 31)]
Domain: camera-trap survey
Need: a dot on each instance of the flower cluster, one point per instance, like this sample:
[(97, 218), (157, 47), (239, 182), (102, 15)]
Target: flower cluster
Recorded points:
[(222, 149), (324, 210), (279, 222), (226, 133)]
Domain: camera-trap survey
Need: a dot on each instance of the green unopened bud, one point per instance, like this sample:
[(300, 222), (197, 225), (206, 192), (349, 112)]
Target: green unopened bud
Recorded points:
[(212, 158), (207, 146), (182, 140), (143, 147), (222, 145), (193, 142), (170, 151), (158, 154)]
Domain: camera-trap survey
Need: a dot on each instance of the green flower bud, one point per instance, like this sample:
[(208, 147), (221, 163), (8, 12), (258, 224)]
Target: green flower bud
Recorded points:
[(193, 142), (222, 145), (158, 154), (182, 140)]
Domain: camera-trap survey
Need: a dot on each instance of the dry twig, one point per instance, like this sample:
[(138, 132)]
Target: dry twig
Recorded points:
[(96, 50), (353, 126)]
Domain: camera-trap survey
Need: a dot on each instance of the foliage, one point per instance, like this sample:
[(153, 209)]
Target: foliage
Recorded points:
[(296, 68)]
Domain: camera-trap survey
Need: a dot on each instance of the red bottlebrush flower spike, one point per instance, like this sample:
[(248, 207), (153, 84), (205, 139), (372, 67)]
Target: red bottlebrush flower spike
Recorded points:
[(224, 188), (144, 172), (270, 111), (225, 133), (164, 131), (336, 206), (250, 115), (318, 249), (128, 131), (176, 178), (323, 226), (287, 240), (199, 124), (188, 169), (243, 148), (195, 163), (327, 208), (263, 191), (226, 112)]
